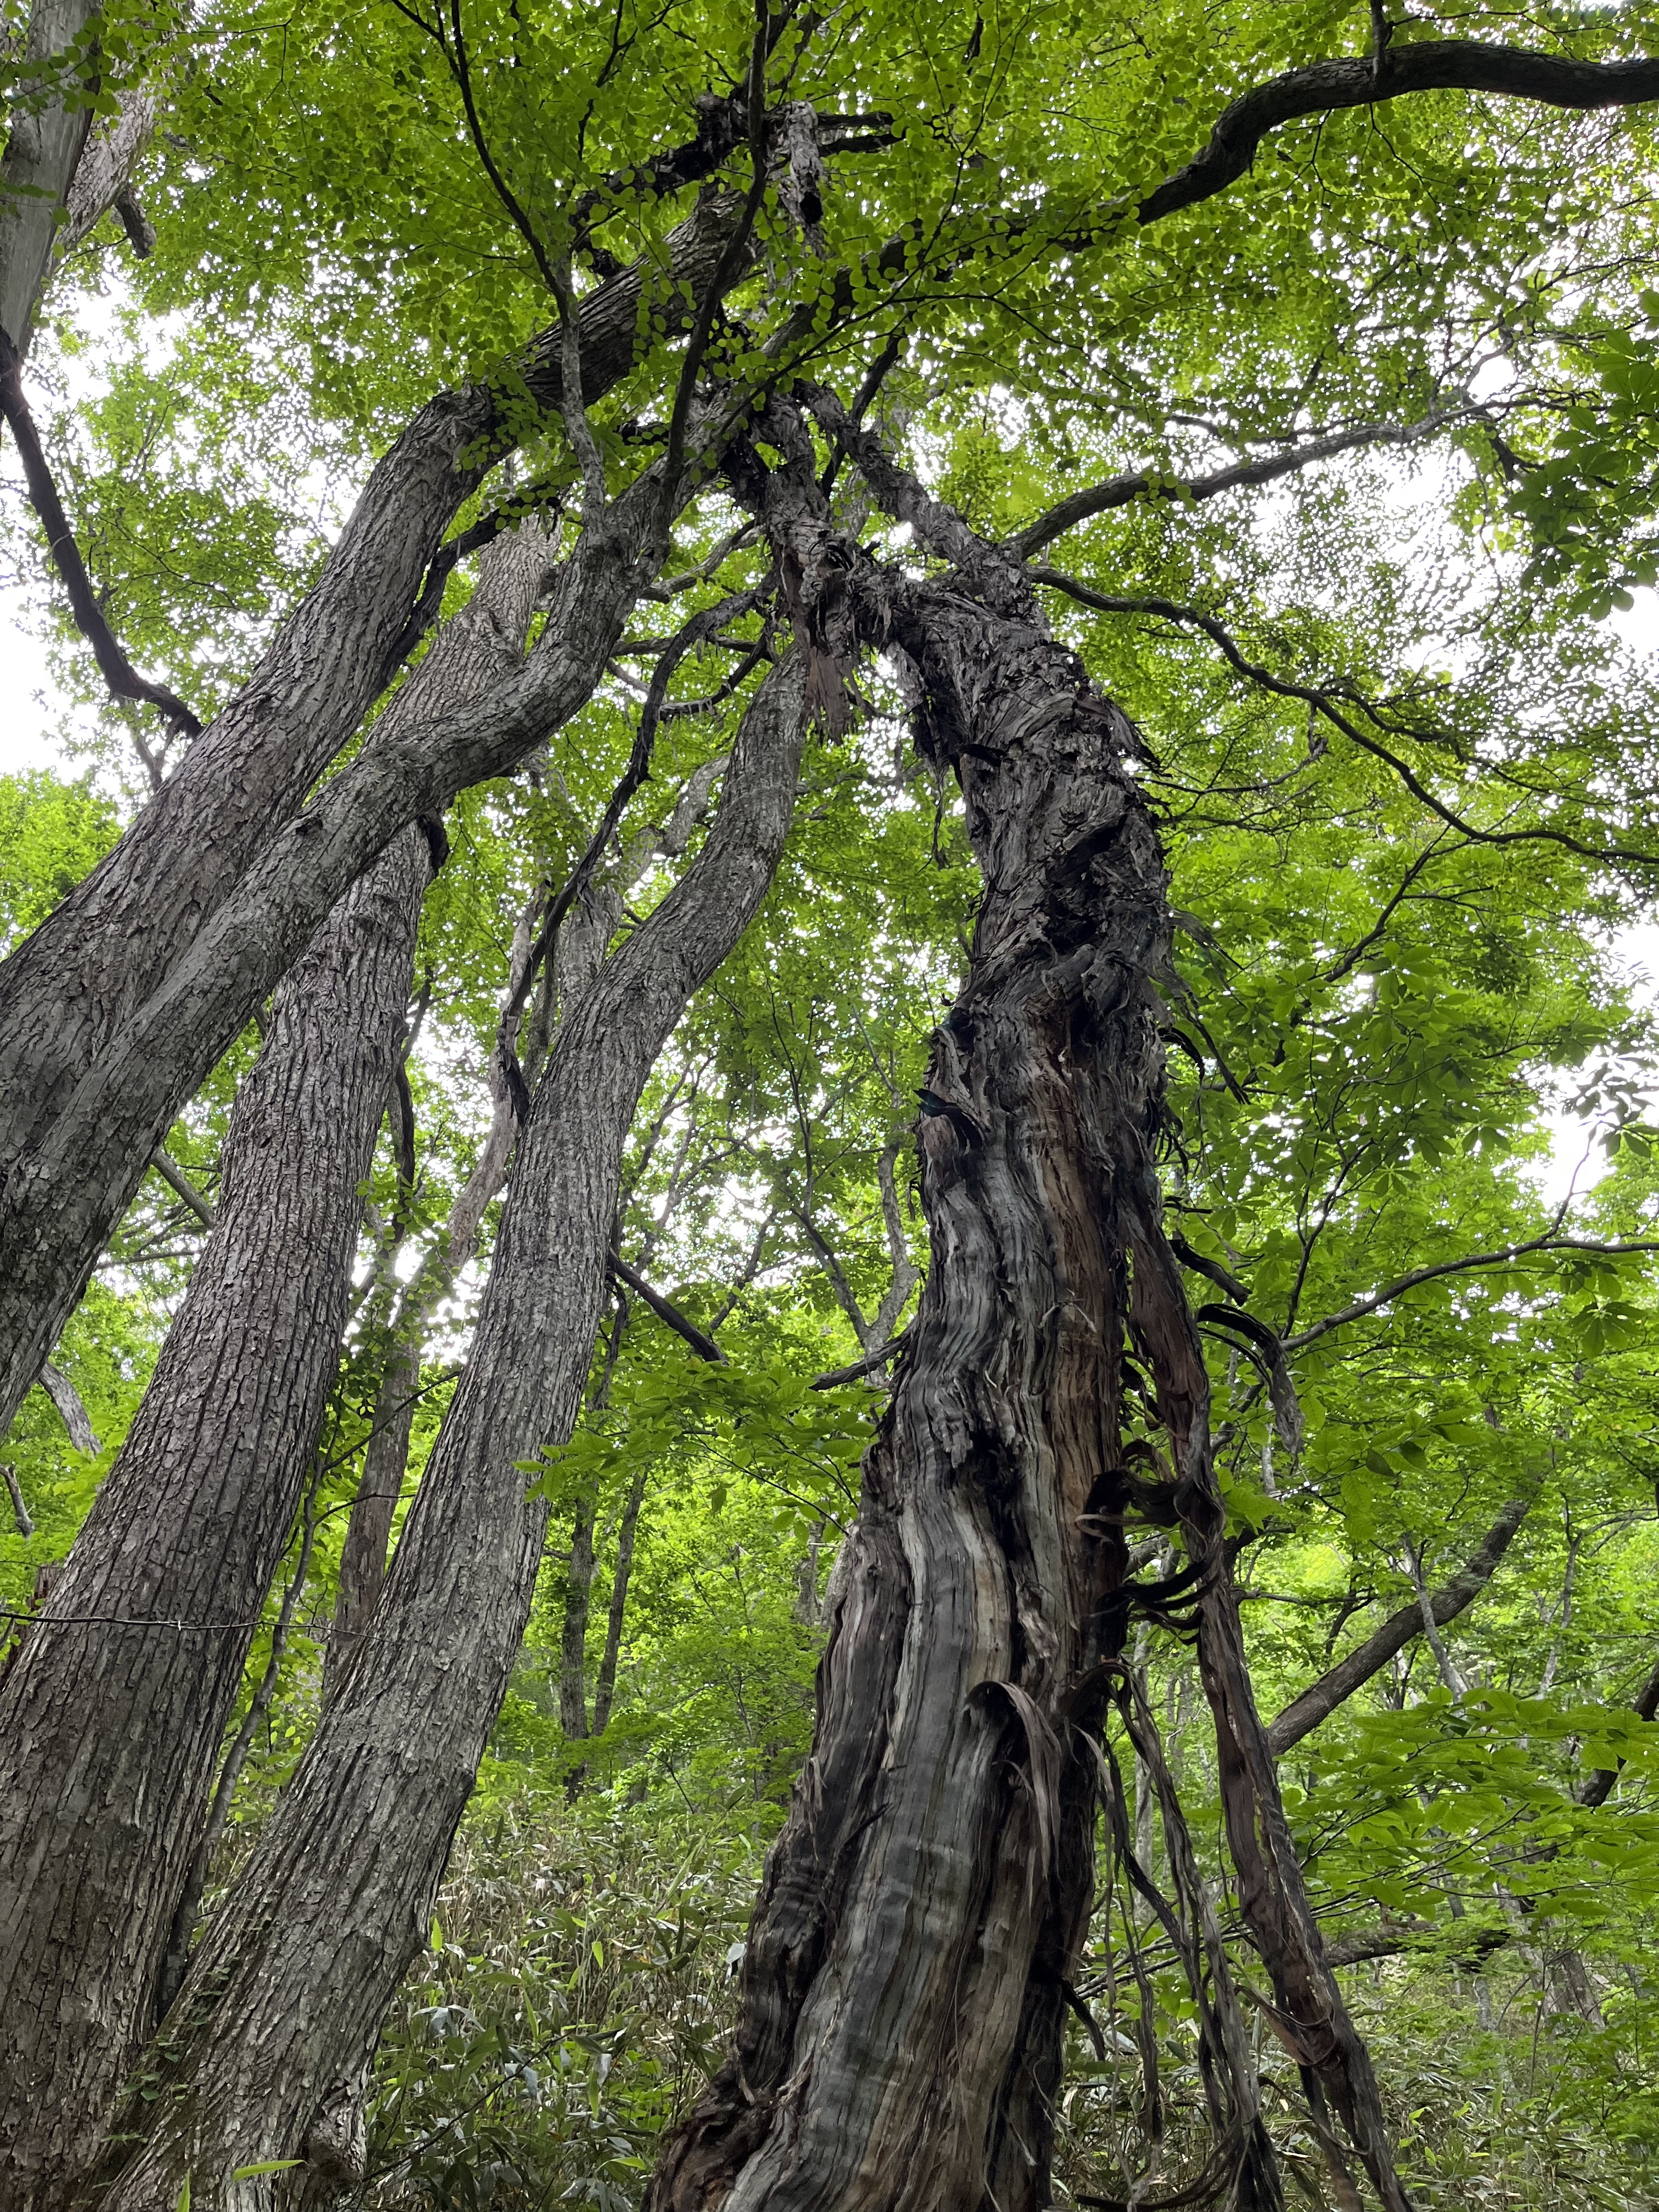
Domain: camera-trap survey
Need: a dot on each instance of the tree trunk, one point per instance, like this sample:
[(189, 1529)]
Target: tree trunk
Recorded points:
[(266, 2048), (605, 1689), (906, 1979), (42, 152), (108, 1734), (112, 1012), (126, 1724)]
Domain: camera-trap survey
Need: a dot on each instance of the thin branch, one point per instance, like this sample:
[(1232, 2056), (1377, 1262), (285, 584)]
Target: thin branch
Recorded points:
[(1550, 1241), (667, 1311), (1121, 491), (121, 678), (70, 1411), (1321, 1700), (176, 1179), (878, 1357), (1170, 610)]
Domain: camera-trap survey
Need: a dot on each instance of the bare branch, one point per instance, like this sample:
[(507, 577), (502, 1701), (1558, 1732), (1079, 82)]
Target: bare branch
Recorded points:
[(1550, 1241), (176, 1177), (122, 678), (1120, 491), (1324, 702), (667, 1311), (1437, 66), (1320, 1698)]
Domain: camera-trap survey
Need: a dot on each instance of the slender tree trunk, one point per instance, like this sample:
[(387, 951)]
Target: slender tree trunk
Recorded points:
[(604, 1688), (577, 1603), (108, 1734), (265, 2052), (905, 1983), (125, 1723)]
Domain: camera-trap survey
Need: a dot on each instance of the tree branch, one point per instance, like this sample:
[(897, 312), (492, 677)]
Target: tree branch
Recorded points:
[(122, 678), (1323, 702), (667, 1311), (1598, 1785), (1548, 1242), (177, 1180), (1436, 65), (1120, 491), (1320, 1698)]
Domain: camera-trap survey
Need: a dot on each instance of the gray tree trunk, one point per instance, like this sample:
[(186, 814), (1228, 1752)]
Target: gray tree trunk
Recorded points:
[(265, 2050), (905, 1983), (113, 1011), (43, 149), (123, 1725), (108, 1734)]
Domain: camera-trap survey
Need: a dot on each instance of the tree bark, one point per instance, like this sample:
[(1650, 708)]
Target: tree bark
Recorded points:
[(43, 149), (905, 1983), (108, 1734), (280, 2012), (135, 983), (126, 1724)]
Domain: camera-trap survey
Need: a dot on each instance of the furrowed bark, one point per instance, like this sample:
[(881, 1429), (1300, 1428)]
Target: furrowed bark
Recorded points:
[(43, 150), (1321, 1700), (65, 1196), (124, 1725), (283, 2003), (108, 1734), (72, 989), (575, 960), (905, 1978), (904, 1985)]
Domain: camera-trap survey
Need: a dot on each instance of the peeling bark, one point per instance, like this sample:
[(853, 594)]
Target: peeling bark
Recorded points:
[(904, 1986)]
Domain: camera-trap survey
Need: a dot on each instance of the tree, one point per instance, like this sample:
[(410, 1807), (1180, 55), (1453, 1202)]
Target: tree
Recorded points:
[(671, 371)]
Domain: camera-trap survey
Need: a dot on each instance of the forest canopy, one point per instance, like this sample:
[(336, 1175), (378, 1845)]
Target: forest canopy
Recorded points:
[(802, 1409)]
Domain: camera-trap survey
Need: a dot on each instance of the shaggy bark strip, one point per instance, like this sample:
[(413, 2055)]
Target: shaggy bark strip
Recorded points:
[(262, 2058), (917, 1936), (124, 1725)]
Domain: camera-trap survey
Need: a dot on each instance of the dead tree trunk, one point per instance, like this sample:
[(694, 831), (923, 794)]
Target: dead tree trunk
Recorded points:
[(263, 2057), (909, 1963), (124, 1723)]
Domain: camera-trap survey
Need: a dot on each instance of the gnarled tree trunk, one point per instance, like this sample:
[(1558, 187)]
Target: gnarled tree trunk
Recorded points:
[(908, 1968)]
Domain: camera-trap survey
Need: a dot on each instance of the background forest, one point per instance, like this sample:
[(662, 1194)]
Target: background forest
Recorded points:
[(1378, 433)]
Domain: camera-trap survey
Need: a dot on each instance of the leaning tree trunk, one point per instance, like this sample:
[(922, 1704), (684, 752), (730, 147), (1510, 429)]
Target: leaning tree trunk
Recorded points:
[(263, 2055), (111, 1012), (108, 1734), (915, 1942)]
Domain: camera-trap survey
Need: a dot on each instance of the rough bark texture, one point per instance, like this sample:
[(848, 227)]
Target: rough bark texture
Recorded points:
[(42, 152), (904, 1986), (141, 976), (108, 1734), (126, 1724), (263, 2054), (65, 1196)]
